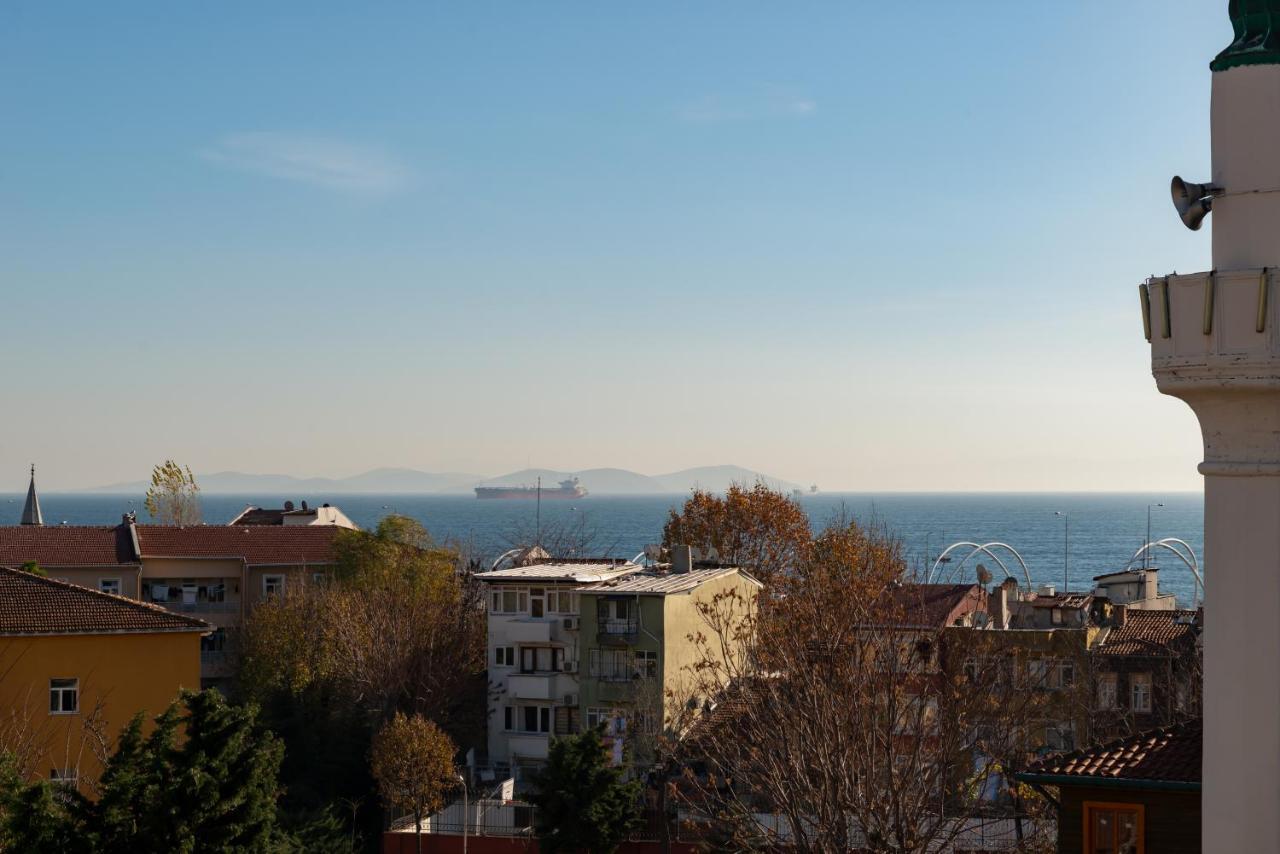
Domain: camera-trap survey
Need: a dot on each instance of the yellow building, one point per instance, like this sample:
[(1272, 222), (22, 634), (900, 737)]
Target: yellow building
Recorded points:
[(76, 665)]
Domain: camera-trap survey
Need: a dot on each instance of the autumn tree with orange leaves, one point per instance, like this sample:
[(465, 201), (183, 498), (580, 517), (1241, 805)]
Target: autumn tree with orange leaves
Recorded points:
[(757, 528)]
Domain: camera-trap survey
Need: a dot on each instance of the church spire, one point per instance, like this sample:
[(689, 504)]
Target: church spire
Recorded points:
[(31, 510)]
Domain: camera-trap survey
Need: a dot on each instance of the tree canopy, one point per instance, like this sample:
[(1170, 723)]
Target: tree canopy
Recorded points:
[(173, 497), (203, 780), (584, 803)]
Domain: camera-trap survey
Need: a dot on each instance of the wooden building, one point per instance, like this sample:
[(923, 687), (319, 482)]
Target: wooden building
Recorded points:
[(1136, 795)]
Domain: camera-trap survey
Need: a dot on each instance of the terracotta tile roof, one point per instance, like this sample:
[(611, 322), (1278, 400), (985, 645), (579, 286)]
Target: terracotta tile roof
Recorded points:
[(66, 545), (929, 604), (1169, 755), (31, 605), (261, 545), (1150, 633)]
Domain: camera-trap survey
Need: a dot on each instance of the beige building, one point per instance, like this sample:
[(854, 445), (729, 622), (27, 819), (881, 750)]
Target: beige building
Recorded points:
[(214, 572)]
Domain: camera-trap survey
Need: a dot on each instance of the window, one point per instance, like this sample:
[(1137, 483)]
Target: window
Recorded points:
[(562, 602), (215, 641), (109, 585), (319, 579), (508, 718), (1052, 674), (504, 656), (971, 669), (599, 716), (646, 663), (1140, 692), (1113, 828), (1055, 616), (64, 696), (272, 585), (537, 601), (1060, 735), (1107, 691), (536, 719), (509, 600), (541, 659), (610, 665)]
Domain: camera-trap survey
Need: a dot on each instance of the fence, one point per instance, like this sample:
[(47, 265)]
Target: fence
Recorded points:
[(514, 821)]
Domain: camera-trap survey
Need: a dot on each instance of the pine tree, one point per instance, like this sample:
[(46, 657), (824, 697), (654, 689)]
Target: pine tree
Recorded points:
[(583, 802), (204, 780)]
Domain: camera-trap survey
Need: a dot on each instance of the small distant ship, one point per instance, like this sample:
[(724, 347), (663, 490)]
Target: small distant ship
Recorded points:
[(567, 489)]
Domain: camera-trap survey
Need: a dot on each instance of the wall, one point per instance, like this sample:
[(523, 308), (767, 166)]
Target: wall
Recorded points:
[(684, 619), (439, 843), (1172, 819), (129, 673), (90, 576)]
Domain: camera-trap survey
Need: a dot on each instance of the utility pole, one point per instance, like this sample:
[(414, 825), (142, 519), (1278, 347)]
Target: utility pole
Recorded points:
[(1066, 540)]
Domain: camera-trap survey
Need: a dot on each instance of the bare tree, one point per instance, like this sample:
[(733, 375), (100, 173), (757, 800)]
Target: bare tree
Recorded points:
[(846, 713)]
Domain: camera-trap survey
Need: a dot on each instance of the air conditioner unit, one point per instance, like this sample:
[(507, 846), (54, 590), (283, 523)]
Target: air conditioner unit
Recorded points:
[(570, 623), (571, 699), (571, 667)]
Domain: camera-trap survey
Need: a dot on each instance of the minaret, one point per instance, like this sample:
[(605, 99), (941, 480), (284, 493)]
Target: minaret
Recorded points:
[(1215, 343), (31, 510)]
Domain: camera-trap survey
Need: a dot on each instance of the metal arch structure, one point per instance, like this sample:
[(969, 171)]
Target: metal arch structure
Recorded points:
[(984, 548), (508, 554), (1171, 544)]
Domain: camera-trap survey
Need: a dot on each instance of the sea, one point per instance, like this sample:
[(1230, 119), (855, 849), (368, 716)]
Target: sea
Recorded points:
[(1096, 533)]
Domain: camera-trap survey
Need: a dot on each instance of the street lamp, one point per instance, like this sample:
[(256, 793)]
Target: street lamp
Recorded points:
[(1066, 538), (463, 781), (1145, 546)]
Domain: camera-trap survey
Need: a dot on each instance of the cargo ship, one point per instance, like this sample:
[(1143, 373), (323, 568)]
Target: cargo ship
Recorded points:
[(567, 489)]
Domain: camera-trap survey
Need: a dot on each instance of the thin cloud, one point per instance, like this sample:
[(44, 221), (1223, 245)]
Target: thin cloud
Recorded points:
[(769, 103), (318, 161)]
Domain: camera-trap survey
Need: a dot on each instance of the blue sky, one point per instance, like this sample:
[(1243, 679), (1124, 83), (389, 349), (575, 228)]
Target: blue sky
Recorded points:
[(875, 246)]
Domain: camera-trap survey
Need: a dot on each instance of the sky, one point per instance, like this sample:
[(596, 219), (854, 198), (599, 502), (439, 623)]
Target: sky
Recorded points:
[(872, 246)]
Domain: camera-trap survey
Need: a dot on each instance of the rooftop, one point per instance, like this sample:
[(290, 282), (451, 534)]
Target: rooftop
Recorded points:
[(579, 572), (256, 545), (929, 604), (1171, 756), (1073, 601), (31, 605), (1149, 633), (66, 545), (665, 583), (1134, 571)]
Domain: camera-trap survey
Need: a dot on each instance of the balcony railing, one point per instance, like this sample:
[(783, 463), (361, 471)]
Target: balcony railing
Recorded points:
[(201, 607), (613, 627)]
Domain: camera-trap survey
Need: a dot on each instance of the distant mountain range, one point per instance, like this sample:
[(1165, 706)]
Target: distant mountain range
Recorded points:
[(605, 481)]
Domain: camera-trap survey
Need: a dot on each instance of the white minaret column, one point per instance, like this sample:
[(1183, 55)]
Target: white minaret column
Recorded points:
[(1215, 343)]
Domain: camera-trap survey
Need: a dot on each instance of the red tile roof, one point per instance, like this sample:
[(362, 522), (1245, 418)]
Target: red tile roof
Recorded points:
[(261, 545), (31, 605), (930, 605), (1169, 755), (58, 546), (1150, 633)]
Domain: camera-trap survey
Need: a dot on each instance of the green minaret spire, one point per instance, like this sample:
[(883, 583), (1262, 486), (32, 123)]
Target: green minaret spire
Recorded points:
[(1256, 25)]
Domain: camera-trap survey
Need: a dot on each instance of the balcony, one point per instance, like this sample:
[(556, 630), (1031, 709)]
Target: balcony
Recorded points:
[(201, 607), (529, 631), (531, 686), (615, 629), (527, 745)]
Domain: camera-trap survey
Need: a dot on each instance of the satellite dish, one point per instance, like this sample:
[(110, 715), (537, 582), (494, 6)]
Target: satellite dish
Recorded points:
[(984, 575), (1193, 202)]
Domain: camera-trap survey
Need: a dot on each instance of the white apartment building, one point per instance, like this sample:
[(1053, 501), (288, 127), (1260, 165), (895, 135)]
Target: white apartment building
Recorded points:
[(533, 654)]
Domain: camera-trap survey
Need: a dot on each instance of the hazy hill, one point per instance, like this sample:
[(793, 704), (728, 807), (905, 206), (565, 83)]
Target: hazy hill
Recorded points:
[(602, 481)]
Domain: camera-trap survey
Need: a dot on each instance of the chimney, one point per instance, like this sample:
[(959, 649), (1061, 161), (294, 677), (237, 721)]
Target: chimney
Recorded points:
[(681, 558), (1150, 584), (1121, 615)]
